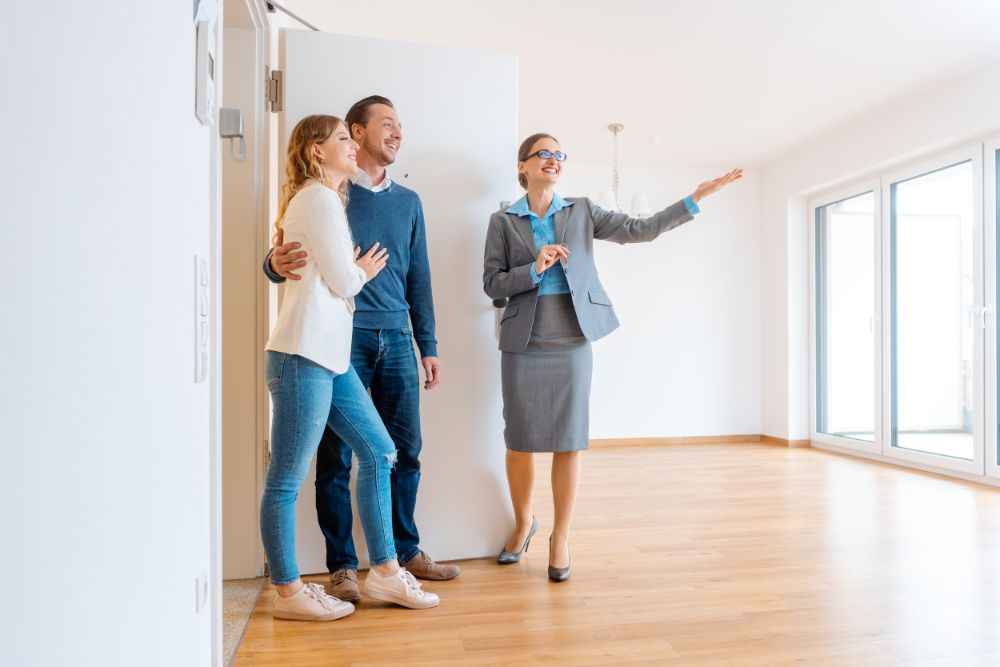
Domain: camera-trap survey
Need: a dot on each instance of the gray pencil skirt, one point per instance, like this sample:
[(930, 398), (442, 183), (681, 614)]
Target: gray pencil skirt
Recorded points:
[(546, 388)]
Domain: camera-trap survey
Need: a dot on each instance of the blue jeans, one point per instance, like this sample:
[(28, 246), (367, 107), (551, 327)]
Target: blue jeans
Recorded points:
[(307, 399), (385, 363)]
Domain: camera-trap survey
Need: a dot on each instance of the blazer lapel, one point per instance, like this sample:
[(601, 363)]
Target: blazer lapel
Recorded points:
[(523, 227), (559, 219)]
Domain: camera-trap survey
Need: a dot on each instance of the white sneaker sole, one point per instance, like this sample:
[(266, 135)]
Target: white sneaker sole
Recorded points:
[(394, 598), (339, 612)]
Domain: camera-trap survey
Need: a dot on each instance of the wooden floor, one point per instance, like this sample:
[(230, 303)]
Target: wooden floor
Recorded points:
[(730, 554)]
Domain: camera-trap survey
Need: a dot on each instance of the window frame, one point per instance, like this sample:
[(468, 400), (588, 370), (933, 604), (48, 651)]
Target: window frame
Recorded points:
[(984, 155), (910, 171)]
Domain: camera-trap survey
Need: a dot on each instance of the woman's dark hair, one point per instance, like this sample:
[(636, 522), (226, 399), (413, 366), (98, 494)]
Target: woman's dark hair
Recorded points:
[(525, 150), (360, 111)]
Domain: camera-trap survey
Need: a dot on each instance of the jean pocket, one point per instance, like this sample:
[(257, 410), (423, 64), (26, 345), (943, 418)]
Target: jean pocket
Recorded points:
[(274, 368), (405, 332)]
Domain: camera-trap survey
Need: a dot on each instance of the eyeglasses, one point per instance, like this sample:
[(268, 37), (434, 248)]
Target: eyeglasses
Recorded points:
[(545, 155)]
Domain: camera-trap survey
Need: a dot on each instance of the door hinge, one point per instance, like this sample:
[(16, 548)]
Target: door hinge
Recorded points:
[(276, 89)]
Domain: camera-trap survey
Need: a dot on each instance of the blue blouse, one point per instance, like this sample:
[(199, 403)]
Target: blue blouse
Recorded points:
[(552, 281)]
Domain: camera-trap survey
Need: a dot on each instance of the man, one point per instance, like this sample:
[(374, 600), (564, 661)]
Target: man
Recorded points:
[(386, 213)]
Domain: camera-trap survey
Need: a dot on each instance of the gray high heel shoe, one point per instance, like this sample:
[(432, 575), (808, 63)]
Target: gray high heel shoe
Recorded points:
[(558, 574), (509, 557)]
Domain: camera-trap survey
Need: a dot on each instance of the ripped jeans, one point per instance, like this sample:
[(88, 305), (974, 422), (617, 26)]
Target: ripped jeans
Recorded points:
[(306, 398)]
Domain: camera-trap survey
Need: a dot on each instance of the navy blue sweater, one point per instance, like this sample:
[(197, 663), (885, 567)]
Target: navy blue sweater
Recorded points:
[(401, 293)]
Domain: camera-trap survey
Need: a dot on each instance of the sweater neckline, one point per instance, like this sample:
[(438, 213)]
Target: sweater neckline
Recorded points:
[(391, 188)]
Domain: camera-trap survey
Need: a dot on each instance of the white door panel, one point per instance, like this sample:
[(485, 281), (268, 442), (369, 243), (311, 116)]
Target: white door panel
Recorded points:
[(458, 108)]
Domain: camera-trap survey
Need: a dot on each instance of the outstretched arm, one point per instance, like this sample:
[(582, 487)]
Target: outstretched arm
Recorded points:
[(622, 228)]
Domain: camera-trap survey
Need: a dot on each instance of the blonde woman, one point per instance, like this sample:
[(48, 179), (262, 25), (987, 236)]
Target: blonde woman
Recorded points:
[(313, 385)]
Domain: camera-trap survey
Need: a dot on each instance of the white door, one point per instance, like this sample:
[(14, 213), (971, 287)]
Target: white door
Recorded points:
[(458, 108)]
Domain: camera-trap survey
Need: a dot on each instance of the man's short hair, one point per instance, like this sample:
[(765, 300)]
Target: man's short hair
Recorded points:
[(360, 111)]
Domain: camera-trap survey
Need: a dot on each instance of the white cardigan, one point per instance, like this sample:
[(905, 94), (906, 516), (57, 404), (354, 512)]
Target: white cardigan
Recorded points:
[(315, 319)]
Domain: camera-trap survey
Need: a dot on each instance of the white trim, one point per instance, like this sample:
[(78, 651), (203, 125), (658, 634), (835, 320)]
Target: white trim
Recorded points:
[(895, 462), (216, 155), (846, 443), (848, 192), (258, 15), (968, 154), (880, 318), (262, 177), (990, 446)]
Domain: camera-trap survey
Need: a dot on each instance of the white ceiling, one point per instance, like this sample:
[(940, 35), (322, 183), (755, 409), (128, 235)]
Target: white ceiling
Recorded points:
[(696, 82)]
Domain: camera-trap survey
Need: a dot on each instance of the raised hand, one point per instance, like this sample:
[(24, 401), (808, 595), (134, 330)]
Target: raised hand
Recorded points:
[(549, 255), (716, 184), (373, 261)]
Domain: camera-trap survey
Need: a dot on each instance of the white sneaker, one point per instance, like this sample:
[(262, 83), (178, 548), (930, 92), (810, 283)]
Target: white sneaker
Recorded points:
[(400, 588), (311, 603)]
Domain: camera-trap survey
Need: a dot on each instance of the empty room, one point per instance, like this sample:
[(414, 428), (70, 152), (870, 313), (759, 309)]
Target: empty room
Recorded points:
[(465, 333)]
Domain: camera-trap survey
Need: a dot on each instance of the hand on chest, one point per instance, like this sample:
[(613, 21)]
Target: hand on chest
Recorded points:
[(397, 242), (533, 233)]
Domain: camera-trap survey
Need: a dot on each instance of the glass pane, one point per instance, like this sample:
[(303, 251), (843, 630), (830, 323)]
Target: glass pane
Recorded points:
[(845, 317), (934, 314)]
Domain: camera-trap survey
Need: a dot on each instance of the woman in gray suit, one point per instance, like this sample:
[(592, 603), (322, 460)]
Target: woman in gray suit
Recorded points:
[(539, 256)]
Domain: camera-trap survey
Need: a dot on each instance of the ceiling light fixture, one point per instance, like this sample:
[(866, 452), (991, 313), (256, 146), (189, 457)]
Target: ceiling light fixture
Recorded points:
[(609, 200)]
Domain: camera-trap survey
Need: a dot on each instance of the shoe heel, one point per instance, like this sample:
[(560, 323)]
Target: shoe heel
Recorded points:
[(531, 532)]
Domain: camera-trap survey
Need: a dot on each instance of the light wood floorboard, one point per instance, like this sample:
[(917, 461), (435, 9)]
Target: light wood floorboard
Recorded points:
[(727, 554)]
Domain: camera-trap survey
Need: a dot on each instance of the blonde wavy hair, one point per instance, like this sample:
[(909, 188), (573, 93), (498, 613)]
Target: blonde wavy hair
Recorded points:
[(302, 165)]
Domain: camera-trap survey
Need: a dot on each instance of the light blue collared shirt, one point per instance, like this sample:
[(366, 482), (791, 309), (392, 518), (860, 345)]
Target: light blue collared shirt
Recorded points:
[(552, 281)]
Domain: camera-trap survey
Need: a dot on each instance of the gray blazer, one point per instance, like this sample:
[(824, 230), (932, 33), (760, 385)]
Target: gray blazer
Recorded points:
[(510, 252)]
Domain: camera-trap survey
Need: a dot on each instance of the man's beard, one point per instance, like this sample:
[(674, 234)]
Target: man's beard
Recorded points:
[(379, 152)]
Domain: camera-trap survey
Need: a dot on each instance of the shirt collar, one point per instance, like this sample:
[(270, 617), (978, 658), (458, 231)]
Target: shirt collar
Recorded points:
[(520, 207), (363, 180)]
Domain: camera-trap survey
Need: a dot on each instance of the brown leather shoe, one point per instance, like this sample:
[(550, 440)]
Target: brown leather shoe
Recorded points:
[(344, 585), (422, 566)]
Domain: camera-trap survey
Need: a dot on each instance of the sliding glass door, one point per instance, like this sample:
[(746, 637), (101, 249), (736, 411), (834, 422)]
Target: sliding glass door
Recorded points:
[(904, 340), (933, 292)]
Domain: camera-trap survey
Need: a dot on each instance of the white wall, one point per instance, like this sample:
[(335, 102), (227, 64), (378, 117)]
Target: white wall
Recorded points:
[(686, 359), (966, 109), (105, 195)]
